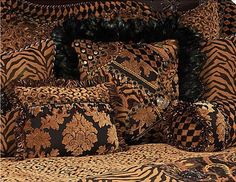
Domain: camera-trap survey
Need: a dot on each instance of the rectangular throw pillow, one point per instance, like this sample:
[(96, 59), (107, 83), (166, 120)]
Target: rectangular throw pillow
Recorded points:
[(32, 63), (58, 121), (144, 74)]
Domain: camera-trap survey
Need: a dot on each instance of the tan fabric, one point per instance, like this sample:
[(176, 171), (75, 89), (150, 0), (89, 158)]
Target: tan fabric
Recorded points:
[(74, 168), (204, 19)]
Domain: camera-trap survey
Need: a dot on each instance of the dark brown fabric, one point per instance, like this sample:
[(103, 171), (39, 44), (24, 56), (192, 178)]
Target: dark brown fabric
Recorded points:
[(144, 74), (199, 126), (218, 73), (57, 121)]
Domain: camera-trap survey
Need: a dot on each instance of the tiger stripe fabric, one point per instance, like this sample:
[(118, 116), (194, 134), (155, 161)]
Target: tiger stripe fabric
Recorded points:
[(218, 73), (32, 63)]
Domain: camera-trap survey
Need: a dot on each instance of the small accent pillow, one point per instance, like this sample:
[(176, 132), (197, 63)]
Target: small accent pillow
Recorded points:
[(57, 121), (143, 74), (218, 73), (228, 10), (204, 19), (199, 126)]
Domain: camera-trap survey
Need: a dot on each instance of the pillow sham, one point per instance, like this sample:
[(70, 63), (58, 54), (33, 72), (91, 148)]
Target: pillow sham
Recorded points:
[(204, 19), (31, 63), (200, 126), (59, 121), (143, 74), (34, 62), (218, 73)]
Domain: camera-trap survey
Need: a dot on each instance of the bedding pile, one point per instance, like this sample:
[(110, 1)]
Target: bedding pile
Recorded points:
[(117, 91)]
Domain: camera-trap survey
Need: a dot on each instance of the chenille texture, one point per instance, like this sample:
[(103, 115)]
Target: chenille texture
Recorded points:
[(58, 121)]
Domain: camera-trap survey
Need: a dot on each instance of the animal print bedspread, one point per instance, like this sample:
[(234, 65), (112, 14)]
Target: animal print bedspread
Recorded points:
[(149, 162)]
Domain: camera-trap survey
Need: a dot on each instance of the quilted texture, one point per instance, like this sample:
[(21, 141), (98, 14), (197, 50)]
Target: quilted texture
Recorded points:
[(57, 121), (140, 80), (204, 19), (199, 126), (228, 10), (218, 73), (32, 63)]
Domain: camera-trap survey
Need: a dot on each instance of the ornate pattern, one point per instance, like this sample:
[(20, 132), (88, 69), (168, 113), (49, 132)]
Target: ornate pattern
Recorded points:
[(79, 124), (204, 19), (201, 126), (162, 159), (140, 80)]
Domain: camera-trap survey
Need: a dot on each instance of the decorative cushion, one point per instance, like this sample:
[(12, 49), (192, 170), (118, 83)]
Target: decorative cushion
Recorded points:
[(228, 10), (143, 74), (34, 62), (228, 107), (59, 121), (218, 73), (199, 126), (204, 19)]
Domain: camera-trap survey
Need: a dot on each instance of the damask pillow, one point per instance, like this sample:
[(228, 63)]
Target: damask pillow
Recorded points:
[(143, 74), (59, 121), (228, 24), (218, 73), (199, 126), (32, 63), (204, 19)]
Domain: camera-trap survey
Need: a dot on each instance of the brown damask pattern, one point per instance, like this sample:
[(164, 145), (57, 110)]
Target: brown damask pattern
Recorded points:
[(199, 126), (58, 121), (204, 19), (66, 168), (143, 74), (68, 129)]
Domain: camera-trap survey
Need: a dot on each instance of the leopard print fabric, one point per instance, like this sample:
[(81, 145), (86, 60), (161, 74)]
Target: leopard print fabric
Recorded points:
[(57, 95), (204, 19), (65, 168)]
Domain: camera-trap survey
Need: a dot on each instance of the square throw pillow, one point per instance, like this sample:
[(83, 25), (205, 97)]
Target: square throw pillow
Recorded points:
[(218, 73), (59, 121), (200, 126), (144, 74), (204, 19), (32, 63)]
